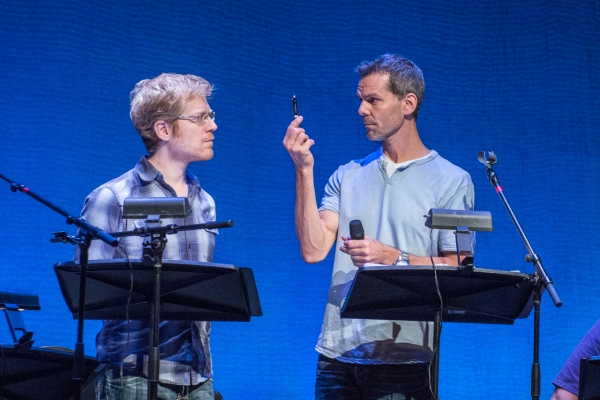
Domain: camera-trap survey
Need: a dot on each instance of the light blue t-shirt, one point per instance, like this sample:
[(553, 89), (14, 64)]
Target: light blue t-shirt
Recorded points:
[(392, 211)]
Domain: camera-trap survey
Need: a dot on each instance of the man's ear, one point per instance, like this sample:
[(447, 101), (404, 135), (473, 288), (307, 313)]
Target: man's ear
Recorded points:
[(163, 130), (410, 104)]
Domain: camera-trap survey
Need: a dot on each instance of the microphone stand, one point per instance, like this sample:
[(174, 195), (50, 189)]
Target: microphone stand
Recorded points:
[(488, 158), (152, 256), (84, 237)]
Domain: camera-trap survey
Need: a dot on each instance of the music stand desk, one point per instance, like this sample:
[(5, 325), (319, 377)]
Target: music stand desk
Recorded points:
[(34, 374), (589, 378), (409, 293), (194, 291)]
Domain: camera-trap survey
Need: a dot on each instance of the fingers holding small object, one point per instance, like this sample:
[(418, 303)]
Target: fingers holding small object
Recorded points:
[(302, 143), (295, 135), (296, 122)]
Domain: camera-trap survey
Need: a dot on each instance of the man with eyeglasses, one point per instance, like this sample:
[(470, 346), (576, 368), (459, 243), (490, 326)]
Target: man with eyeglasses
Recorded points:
[(389, 191), (177, 126)]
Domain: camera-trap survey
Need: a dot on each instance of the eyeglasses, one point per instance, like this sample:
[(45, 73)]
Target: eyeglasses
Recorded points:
[(199, 119)]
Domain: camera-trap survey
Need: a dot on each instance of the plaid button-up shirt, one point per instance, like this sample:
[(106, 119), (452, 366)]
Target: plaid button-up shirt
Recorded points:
[(184, 345)]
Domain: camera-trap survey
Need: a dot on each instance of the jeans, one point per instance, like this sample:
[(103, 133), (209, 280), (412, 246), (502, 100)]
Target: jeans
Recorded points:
[(108, 387), (343, 381)]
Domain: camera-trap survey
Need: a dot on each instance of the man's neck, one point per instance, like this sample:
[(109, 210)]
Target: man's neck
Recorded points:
[(405, 145), (173, 172)]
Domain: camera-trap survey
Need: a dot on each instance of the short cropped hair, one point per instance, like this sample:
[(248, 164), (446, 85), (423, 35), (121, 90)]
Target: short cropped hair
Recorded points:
[(405, 76), (163, 98)]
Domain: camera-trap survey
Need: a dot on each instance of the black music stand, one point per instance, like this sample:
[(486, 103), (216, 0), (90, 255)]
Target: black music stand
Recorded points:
[(193, 291), (589, 378), (12, 303), (409, 294), (33, 374)]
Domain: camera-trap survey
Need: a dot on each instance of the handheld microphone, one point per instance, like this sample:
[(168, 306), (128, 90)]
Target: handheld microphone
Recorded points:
[(356, 230)]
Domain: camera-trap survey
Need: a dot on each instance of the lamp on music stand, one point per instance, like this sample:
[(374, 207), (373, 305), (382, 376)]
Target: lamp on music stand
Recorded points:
[(463, 222)]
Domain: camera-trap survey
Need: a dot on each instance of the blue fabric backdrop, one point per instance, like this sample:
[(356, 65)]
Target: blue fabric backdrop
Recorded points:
[(516, 77)]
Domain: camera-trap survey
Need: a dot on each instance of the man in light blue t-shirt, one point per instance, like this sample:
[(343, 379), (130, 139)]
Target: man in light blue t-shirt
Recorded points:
[(389, 191)]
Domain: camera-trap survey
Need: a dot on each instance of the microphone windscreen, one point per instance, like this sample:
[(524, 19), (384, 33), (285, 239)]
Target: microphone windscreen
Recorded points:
[(356, 230)]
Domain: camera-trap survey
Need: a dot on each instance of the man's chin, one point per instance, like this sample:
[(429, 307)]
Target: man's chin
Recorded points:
[(373, 136), (205, 156)]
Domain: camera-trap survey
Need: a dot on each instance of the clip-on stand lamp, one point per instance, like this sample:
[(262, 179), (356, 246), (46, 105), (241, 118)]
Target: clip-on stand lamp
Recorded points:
[(462, 222)]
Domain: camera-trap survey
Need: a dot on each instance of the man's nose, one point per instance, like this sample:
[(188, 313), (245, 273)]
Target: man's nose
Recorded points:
[(363, 109)]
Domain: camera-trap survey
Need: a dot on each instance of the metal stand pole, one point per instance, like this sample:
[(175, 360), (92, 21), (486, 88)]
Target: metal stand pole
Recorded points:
[(489, 159)]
